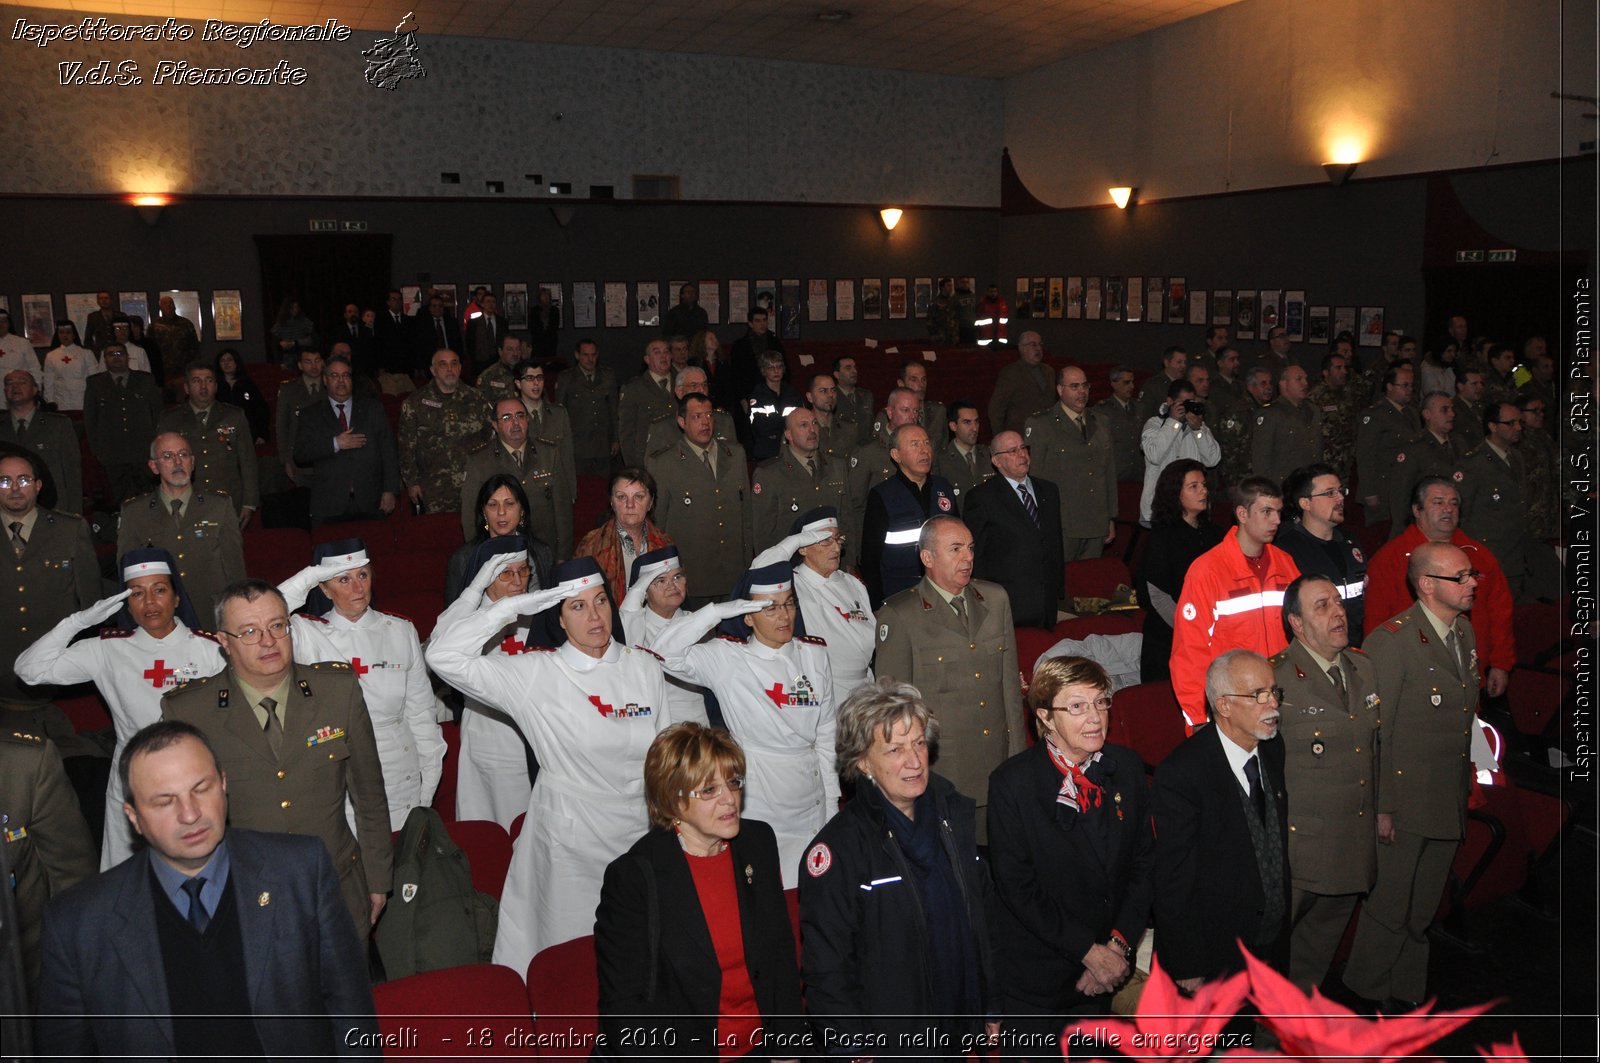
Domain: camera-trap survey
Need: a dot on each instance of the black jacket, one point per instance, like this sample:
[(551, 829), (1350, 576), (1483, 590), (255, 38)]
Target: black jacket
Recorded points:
[(864, 940), (348, 483), (1346, 565), (1011, 550), (649, 910), (1063, 879)]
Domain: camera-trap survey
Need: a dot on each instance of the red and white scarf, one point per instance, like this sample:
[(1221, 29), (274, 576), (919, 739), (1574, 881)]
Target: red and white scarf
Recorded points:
[(1076, 792)]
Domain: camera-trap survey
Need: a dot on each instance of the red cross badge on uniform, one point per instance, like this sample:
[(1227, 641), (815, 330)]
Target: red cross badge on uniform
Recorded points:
[(818, 860), (605, 710), (157, 673), (775, 692), (360, 669), (944, 503)]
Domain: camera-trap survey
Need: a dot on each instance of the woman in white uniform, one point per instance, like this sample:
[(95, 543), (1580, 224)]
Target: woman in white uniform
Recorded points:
[(775, 688), (155, 644), (590, 709), (386, 655), (834, 603), (654, 602)]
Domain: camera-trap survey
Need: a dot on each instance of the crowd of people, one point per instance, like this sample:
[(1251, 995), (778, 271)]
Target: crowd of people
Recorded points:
[(787, 658)]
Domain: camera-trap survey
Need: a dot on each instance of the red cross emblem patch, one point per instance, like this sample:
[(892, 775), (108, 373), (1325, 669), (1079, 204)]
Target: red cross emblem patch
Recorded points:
[(158, 672), (818, 860)]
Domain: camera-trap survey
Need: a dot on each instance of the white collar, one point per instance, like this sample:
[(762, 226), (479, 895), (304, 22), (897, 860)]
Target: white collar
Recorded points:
[(579, 661)]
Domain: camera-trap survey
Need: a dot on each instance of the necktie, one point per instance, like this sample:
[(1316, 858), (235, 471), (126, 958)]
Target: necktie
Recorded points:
[(533, 421), (1338, 682), (1083, 427), (18, 543), (122, 381), (521, 457), (490, 322), (22, 427), (1258, 796), (1029, 504), (811, 467), (711, 465), (177, 510), (352, 330), (344, 424), (274, 726), (204, 415), (959, 604), (197, 911), (438, 325), (666, 384)]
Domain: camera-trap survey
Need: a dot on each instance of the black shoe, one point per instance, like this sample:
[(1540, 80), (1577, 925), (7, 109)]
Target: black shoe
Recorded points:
[(1396, 1006)]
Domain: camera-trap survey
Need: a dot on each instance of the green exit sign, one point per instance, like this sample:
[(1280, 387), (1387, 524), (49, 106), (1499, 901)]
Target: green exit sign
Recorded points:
[(324, 225)]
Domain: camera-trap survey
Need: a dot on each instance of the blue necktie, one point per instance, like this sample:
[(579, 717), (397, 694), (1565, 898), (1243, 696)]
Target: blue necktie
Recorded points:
[(197, 911), (1029, 504)]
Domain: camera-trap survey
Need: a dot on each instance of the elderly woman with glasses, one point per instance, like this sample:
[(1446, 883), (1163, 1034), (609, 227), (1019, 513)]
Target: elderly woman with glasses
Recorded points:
[(1072, 853), (895, 937), (692, 937)]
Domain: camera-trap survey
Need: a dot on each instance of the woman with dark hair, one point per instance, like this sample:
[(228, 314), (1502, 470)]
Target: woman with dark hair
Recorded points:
[(235, 387), (292, 331), (628, 533), (705, 351), (692, 937), (1180, 531), (502, 509), (589, 708), (1072, 855)]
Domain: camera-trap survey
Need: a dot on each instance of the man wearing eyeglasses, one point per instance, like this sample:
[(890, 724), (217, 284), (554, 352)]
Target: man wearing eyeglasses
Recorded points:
[(1426, 660), (536, 465), (295, 742), (349, 445), (1015, 521), (1494, 509), (219, 436), (1220, 810), (194, 526), (49, 435), (1314, 497), (440, 424)]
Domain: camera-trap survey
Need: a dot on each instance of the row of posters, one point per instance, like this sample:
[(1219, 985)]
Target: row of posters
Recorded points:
[(1170, 301), (35, 317)]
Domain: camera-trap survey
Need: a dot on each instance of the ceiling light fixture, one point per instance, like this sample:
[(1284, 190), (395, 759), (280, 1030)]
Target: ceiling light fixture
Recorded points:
[(891, 217), (1121, 196), (150, 205)]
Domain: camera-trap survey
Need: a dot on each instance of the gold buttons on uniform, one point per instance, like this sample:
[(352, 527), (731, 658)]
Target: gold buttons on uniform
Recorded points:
[(285, 804), (972, 645), (986, 732), (977, 675), (282, 773)]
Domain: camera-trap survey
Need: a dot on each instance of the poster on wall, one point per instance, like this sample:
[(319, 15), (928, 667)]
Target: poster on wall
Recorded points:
[(1294, 315), (1244, 314), (1197, 307), (514, 305), (583, 304), (1344, 321), (1155, 291), (1040, 296), (711, 301), (227, 313), (844, 300), (1317, 321), (1177, 301), (1222, 307), (446, 291), (39, 319), (616, 293), (897, 298), (1269, 311), (1023, 307), (765, 297), (738, 302), (410, 300), (816, 300), (922, 297), (647, 304), (1092, 298), (135, 304), (871, 298), (187, 305), (1134, 311), (1114, 298), (789, 309), (1066, 297), (1372, 326), (79, 306)]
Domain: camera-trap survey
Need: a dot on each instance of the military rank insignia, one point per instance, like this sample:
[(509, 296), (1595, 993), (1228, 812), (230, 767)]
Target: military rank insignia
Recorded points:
[(324, 734)]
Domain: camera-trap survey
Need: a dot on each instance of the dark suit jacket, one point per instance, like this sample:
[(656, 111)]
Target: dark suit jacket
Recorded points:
[(1207, 885), (425, 336), (682, 988), (1010, 550), (103, 981), (482, 349), (348, 482), (363, 345), (1065, 879), (394, 341)]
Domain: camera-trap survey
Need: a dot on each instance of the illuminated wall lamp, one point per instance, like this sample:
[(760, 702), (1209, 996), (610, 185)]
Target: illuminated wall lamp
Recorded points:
[(1122, 195), (150, 206), (891, 217), (1339, 172)]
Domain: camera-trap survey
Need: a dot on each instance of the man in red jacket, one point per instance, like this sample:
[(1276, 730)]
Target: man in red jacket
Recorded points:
[(1436, 515), (1232, 597)]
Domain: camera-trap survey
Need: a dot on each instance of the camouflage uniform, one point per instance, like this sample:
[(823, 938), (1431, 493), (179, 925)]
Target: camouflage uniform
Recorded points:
[(944, 320), (1233, 436), (1338, 406), (437, 434), (1542, 492), (496, 383)]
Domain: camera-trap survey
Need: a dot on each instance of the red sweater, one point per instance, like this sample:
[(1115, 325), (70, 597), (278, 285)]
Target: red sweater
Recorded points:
[(739, 1017), (1388, 594)]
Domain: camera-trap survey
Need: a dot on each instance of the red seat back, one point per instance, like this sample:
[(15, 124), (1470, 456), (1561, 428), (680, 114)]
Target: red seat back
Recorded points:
[(377, 534), (1097, 577), (87, 712), (275, 554), (426, 1015), (488, 849), (444, 798), (421, 607), (1536, 698), (564, 989), (1149, 717), (593, 504)]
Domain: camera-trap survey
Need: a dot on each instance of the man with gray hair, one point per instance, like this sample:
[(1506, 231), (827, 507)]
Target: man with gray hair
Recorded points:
[(896, 509), (1220, 807), (1123, 416), (1023, 388), (664, 431), (219, 436)]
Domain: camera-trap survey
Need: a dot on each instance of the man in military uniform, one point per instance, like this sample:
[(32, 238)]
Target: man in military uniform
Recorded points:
[(1426, 661), (51, 569), (1438, 450), (535, 464), (944, 320), (1470, 392), (963, 460), (49, 435), (498, 381), (799, 479), (1543, 462), (195, 527), (219, 436), (293, 396), (645, 398), (120, 409), (833, 438), (871, 464), (441, 423), (1385, 429), (175, 336), (914, 378), (664, 430), (547, 423), (1287, 434), (1276, 358), (47, 843), (296, 743), (855, 403), (1072, 448), (1122, 415), (1329, 723), (1023, 387), (1174, 366), (589, 395), (1227, 386), (1499, 382), (1216, 339), (952, 638), (1335, 401), (1494, 510), (703, 501)]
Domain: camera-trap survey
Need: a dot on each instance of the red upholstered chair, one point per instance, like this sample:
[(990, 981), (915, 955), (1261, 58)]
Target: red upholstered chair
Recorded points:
[(592, 505), (1150, 719), (1538, 631), (564, 991), (377, 534), (421, 607), (1513, 828), (275, 554), (87, 712), (391, 411), (444, 798), (438, 533), (1536, 698), (1097, 577), (488, 849), (1128, 501), (427, 1015), (419, 569), (1079, 628), (1031, 644)]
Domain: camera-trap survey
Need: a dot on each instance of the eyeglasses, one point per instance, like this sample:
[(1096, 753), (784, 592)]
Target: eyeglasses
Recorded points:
[(1264, 696), (1101, 705), (7, 482), (1470, 574), (529, 378), (1332, 492), (789, 606), (1023, 447), (670, 578), (714, 790), (251, 635), (174, 455)]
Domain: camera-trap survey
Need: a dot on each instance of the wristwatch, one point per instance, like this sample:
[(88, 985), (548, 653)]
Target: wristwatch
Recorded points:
[(1115, 941)]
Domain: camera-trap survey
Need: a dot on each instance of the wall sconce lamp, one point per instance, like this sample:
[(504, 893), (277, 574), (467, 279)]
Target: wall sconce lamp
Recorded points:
[(1122, 195), (150, 206), (891, 217), (1339, 172)]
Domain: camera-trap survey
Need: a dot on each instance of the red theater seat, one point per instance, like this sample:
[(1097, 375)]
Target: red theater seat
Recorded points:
[(87, 712), (444, 798), (564, 991), (430, 1016), (275, 554), (1097, 577), (421, 607), (488, 849), (377, 534), (1536, 698), (1151, 720), (434, 532), (419, 569), (593, 504)]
